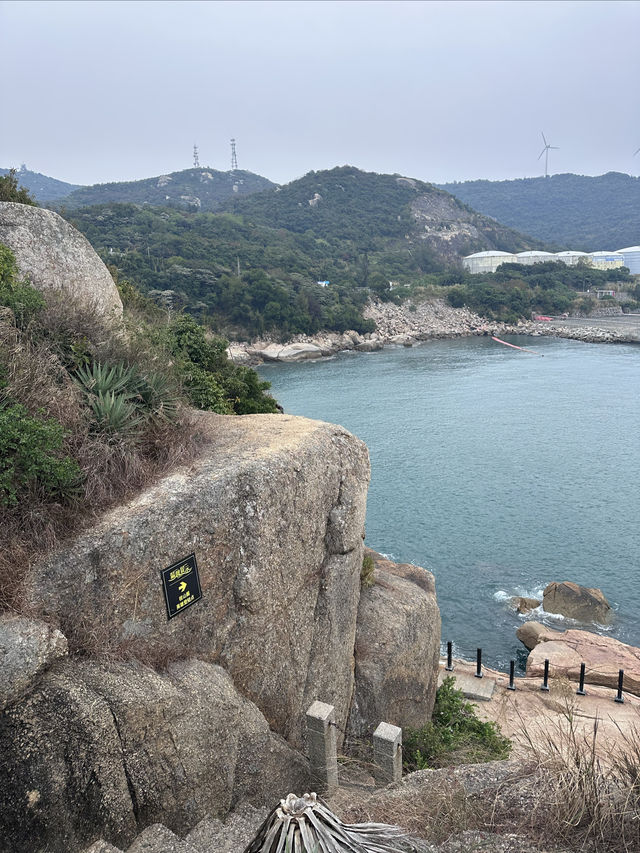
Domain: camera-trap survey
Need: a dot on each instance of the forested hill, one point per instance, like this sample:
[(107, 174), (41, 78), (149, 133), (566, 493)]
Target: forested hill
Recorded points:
[(42, 187), (263, 265), (567, 211), (198, 189), (366, 208)]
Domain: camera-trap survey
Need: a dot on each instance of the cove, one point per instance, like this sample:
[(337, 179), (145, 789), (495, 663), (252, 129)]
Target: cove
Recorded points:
[(497, 470)]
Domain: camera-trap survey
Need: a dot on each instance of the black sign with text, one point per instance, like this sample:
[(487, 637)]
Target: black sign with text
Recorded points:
[(181, 585)]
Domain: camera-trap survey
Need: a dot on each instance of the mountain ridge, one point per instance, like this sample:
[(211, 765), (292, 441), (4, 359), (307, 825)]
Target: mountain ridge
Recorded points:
[(583, 212)]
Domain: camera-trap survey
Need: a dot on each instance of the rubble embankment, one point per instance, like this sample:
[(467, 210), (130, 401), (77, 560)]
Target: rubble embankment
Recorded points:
[(409, 324)]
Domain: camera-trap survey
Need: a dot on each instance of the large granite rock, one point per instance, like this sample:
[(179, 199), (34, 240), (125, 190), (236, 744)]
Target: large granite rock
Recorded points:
[(289, 352), (603, 657), (397, 648), (56, 257), (274, 510), (27, 649), (585, 604), (529, 634), (105, 751)]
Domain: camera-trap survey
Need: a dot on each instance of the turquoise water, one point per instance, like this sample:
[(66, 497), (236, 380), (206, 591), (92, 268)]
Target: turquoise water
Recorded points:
[(498, 471)]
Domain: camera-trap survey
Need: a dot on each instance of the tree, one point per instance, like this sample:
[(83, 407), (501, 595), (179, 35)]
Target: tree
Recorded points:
[(11, 191)]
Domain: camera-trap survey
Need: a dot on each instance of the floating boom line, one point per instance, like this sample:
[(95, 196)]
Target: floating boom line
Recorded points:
[(533, 352)]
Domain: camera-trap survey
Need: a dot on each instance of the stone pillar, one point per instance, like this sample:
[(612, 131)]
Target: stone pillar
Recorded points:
[(387, 754), (321, 745)]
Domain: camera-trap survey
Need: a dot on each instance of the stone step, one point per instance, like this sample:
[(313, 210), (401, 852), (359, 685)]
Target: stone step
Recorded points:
[(478, 689)]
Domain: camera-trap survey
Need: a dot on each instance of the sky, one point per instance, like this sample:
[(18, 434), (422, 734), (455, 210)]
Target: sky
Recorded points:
[(442, 91)]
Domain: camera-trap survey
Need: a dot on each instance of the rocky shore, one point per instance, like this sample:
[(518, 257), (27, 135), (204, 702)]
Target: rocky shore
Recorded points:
[(410, 324)]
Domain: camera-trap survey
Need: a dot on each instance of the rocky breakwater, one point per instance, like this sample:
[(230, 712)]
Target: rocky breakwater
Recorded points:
[(591, 332)]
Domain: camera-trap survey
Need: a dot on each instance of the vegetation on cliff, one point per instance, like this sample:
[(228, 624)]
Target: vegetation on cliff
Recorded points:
[(11, 190), (87, 415), (568, 211), (454, 735)]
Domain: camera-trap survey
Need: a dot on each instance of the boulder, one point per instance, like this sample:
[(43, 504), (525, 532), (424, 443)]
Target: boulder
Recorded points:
[(369, 346), (522, 604), (274, 511), (27, 649), (603, 657), (531, 632), (231, 835), (105, 751), (585, 604), (397, 648), (102, 847), (289, 352), (55, 257)]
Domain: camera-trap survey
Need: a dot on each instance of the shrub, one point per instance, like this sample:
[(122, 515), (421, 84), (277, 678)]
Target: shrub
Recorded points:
[(367, 577), (30, 458), (455, 735), (25, 301)]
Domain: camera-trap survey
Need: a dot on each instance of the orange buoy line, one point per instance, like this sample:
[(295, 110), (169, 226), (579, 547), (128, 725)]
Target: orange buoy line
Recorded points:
[(533, 352)]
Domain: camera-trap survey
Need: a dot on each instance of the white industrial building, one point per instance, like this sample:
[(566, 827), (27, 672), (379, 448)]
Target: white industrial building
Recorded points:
[(570, 258), (487, 261), (606, 260), (534, 257), (631, 258)]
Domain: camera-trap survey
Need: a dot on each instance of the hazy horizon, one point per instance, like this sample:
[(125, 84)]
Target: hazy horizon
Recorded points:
[(119, 90)]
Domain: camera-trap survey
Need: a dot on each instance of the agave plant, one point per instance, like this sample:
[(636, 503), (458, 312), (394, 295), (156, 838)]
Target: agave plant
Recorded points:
[(307, 825), (115, 415), (96, 378), (157, 395)]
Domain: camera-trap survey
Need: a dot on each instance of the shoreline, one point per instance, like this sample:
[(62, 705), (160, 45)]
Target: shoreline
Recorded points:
[(409, 325)]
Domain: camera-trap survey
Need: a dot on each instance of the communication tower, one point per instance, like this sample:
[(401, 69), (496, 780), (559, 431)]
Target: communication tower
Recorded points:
[(234, 159), (196, 160)]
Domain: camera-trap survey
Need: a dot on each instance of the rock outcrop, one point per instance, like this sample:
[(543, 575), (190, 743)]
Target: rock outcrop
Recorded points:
[(57, 258), (529, 634), (522, 604), (103, 751), (603, 657), (27, 649), (584, 604), (274, 511), (397, 648)]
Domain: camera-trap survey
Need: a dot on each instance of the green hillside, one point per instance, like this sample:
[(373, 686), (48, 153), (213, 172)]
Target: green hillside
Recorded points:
[(256, 268), (199, 189), (370, 209), (42, 187), (567, 211)]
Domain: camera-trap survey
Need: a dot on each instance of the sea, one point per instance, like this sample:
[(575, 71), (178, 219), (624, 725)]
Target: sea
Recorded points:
[(496, 469)]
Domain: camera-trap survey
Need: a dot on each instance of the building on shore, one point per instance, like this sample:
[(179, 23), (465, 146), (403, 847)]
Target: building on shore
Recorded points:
[(606, 260), (631, 257), (487, 261)]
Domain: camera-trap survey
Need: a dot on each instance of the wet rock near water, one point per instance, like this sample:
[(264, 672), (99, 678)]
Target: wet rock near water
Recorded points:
[(584, 604)]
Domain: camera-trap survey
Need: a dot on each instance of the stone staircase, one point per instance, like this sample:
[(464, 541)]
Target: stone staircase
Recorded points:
[(209, 836)]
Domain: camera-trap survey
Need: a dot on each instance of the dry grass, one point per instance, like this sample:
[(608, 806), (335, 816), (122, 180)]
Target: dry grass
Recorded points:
[(113, 471)]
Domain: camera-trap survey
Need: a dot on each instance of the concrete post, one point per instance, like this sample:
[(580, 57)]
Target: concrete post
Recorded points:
[(321, 744), (387, 754)]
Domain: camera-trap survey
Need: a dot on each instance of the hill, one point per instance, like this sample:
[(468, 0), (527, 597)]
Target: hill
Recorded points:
[(567, 211), (191, 189), (258, 267), (368, 208), (42, 187)]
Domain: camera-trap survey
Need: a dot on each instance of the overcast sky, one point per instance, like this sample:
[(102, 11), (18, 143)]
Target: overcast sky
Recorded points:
[(442, 91)]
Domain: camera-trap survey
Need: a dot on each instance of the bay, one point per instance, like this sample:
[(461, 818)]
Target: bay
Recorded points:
[(497, 470)]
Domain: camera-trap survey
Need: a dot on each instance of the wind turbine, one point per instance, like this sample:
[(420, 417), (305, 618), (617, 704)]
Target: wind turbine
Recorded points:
[(545, 151)]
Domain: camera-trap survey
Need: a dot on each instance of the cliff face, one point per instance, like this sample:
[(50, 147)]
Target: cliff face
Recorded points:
[(274, 512)]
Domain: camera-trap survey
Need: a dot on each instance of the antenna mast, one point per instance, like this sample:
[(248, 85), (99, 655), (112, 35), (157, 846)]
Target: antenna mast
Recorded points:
[(196, 159), (234, 159)]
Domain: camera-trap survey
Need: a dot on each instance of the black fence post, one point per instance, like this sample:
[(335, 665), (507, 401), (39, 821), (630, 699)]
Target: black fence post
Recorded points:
[(581, 691), (479, 663), (512, 673), (449, 666), (620, 697), (545, 682)]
